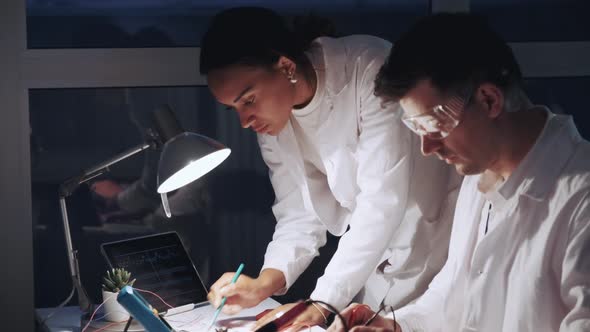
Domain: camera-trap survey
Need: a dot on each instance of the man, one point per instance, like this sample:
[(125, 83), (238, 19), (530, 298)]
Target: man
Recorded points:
[(519, 257)]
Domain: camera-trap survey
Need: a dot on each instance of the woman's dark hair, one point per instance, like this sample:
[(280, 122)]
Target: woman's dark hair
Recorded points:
[(452, 50), (257, 36)]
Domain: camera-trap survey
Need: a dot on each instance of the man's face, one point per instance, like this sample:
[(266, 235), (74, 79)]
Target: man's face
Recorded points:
[(468, 145)]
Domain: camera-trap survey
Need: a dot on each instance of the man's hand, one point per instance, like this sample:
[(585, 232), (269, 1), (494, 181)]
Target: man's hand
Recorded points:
[(357, 315)]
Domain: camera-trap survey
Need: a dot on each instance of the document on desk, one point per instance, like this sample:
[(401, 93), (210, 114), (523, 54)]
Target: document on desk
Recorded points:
[(195, 320), (198, 319)]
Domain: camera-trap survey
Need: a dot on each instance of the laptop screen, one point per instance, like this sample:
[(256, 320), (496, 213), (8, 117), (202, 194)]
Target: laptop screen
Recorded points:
[(161, 265)]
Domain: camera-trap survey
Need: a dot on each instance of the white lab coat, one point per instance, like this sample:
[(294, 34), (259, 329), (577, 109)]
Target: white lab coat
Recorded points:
[(531, 271), (397, 203)]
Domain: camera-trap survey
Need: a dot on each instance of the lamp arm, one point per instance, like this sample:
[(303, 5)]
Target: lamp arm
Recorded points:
[(67, 189), (83, 301)]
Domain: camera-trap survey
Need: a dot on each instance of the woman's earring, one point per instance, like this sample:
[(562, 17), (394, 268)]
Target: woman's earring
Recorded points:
[(292, 78)]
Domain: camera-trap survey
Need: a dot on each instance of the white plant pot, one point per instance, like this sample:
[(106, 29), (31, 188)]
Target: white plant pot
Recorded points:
[(113, 311)]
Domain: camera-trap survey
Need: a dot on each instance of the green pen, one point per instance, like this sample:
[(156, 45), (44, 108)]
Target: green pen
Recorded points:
[(233, 281)]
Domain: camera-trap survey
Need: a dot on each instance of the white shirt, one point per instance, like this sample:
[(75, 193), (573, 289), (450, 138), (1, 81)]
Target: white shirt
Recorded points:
[(355, 165), (307, 120), (531, 271)]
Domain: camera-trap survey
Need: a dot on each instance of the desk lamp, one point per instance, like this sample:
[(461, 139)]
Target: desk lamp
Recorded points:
[(185, 157)]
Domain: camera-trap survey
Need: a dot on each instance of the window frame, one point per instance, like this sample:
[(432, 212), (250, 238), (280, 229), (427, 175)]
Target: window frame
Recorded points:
[(24, 69)]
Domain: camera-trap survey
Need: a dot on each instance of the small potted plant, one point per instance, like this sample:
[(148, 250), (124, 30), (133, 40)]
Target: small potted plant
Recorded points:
[(113, 282)]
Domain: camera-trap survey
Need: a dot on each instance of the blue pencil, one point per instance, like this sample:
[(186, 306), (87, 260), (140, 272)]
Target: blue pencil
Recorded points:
[(233, 281)]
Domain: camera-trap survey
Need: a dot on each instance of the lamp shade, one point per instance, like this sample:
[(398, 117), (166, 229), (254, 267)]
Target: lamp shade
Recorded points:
[(185, 158)]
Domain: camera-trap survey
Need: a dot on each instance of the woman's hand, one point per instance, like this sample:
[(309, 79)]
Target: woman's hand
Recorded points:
[(242, 294), (246, 292)]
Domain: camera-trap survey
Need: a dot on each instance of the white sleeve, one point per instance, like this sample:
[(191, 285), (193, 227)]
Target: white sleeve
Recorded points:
[(427, 314), (575, 270), (383, 177), (299, 233)]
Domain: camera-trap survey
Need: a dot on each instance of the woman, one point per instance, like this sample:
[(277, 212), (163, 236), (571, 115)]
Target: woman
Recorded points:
[(339, 161)]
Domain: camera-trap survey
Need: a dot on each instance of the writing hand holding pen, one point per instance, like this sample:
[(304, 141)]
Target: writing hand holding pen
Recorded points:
[(241, 294), (246, 292), (224, 299)]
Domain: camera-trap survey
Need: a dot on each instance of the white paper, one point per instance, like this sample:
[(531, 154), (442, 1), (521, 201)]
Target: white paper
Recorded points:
[(199, 319)]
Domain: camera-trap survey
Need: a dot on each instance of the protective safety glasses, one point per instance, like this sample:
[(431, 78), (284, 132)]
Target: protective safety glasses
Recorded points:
[(438, 122)]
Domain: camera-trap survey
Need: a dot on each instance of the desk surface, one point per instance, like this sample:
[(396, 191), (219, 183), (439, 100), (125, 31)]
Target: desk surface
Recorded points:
[(68, 318)]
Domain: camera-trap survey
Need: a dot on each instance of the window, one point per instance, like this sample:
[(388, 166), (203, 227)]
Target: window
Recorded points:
[(563, 95), (74, 129), (158, 23), (537, 20)]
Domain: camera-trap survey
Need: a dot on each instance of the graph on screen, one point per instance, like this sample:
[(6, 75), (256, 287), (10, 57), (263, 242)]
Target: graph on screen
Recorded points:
[(161, 265)]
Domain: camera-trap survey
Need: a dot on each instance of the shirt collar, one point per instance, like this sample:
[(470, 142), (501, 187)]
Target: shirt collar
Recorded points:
[(538, 171), (335, 55), (315, 56)]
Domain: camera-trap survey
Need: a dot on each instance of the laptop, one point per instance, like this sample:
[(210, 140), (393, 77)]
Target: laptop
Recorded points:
[(161, 265)]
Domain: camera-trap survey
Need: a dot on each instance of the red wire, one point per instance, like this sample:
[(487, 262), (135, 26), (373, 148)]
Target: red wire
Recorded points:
[(109, 325), (154, 294), (94, 313)]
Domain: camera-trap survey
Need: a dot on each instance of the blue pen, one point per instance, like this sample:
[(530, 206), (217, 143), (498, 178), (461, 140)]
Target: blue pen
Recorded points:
[(233, 281)]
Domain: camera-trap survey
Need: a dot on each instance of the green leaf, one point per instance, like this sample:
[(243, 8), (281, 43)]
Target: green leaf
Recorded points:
[(118, 279), (109, 284)]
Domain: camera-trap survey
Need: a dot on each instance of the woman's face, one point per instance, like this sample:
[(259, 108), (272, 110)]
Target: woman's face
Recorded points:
[(263, 97)]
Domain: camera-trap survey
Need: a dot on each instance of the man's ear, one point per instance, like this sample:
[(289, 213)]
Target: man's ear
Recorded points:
[(492, 98), (286, 65)]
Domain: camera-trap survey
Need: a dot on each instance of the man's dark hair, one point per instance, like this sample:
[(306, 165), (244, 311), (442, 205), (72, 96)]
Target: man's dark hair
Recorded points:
[(453, 51)]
